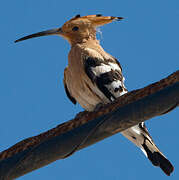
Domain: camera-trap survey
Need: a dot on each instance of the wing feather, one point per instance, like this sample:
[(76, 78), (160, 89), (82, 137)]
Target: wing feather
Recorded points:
[(106, 75)]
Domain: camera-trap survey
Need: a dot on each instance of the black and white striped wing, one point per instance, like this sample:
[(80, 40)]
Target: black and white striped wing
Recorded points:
[(107, 76)]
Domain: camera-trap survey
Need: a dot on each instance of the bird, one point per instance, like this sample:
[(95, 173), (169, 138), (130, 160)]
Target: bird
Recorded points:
[(93, 77)]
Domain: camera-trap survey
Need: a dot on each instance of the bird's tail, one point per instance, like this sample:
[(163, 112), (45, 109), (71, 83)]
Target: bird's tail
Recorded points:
[(156, 157), (140, 136)]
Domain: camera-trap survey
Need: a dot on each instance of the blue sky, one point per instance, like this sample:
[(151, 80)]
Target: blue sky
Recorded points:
[(32, 97)]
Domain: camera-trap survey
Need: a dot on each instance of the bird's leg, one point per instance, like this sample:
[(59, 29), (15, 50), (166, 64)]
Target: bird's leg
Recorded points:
[(98, 107), (80, 114)]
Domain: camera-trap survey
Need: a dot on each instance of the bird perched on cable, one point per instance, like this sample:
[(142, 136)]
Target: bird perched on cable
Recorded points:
[(95, 77)]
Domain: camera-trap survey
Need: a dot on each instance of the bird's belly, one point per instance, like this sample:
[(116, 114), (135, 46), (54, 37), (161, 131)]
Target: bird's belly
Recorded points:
[(89, 96)]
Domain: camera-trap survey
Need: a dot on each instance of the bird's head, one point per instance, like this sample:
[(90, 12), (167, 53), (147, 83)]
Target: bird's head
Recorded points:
[(77, 29)]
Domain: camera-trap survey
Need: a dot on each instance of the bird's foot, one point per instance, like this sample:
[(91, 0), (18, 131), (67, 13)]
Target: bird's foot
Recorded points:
[(80, 114), (98, 107)]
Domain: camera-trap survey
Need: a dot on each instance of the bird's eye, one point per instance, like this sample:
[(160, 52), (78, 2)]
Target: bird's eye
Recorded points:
[(75, 28)]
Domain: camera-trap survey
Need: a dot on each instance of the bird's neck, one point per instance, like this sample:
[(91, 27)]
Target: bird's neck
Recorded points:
[(92, 44), (88, 43)]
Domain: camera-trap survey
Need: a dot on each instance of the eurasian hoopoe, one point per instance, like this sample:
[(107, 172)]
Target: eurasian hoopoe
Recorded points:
[(93, 77)]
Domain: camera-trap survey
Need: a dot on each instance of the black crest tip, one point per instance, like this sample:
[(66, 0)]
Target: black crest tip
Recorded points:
[(77, 16), (98, 15), (120, 18)]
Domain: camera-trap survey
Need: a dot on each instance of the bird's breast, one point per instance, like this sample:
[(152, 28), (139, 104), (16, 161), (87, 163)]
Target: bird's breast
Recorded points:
[(81, 87)]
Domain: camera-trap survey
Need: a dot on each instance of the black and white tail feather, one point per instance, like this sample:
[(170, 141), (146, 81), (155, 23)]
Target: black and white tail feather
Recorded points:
[(140, 137), (106, 75)]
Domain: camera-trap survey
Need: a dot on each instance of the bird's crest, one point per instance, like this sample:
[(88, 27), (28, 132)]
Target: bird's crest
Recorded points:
[(95, 20)]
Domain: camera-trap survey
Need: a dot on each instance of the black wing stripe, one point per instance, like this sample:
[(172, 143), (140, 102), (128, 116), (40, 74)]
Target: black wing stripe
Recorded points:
[(103, 79), (103, 88), (89, 64)]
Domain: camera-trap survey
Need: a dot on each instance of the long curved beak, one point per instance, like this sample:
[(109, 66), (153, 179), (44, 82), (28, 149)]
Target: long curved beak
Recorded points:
[(57, 31)]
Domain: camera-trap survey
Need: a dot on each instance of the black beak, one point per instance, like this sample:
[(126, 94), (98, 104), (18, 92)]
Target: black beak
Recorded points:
[(57, 31)]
